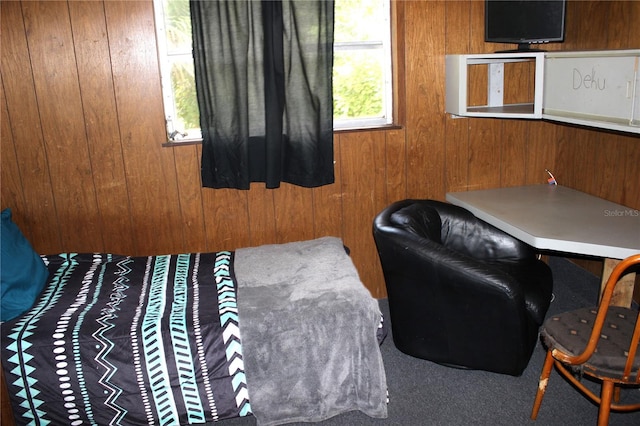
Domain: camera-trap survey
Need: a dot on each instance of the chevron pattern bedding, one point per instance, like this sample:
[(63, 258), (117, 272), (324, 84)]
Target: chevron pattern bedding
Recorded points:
[(129, 340)]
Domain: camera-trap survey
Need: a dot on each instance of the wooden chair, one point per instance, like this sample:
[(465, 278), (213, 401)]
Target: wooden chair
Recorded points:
[(599, 342)]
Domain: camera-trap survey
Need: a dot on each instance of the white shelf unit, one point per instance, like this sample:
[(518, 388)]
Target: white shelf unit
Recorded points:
[(589, 88), (457, 85), (593, 88)]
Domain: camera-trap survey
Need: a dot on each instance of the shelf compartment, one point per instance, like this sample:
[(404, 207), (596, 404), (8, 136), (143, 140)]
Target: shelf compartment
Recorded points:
[(493, 85)]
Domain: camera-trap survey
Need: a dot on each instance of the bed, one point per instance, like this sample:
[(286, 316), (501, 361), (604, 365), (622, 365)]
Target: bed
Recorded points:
[(284, 333)]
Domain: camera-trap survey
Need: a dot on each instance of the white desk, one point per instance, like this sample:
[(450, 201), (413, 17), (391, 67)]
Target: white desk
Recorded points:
[(556, 218)]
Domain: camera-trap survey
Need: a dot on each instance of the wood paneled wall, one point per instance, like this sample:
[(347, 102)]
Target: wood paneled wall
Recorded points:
[(83, 167)]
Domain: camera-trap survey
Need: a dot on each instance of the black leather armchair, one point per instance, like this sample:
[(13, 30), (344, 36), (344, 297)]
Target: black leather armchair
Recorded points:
[(461, 292)]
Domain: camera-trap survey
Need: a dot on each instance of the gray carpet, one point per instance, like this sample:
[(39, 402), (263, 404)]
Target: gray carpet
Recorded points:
[(425, 393)]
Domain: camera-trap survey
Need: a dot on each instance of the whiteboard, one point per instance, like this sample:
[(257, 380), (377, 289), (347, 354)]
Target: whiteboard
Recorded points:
[(604, 87)]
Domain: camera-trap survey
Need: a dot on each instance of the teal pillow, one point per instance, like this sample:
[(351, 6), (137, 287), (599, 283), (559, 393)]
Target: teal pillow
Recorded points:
[(22, 271)]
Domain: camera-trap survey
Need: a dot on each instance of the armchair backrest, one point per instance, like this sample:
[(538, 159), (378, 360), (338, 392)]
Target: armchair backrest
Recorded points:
[(457, 229)]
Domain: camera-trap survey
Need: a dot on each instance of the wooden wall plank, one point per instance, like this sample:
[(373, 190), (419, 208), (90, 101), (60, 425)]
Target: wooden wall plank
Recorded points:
[(632, 12), (608, 178), (49, 36), (457, 26), (363, 183), (293, 206), (262, 223), (11, 193), (587, 23), (395, 166), (190, 196), (327, 200), (226, 219), (425, 50), (95, 79), (150, 169), (586, 156), (618, 34), (572, 25), (457, 154), (38, 220), (630, 173), (484, 159), (541, 153), (514, 145), (563, 169)]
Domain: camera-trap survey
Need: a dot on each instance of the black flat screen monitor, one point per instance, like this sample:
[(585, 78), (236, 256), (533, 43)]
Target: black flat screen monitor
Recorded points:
[(525, 23)]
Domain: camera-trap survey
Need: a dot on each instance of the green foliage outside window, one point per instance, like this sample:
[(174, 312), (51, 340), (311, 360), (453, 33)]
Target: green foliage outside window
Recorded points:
[(357, 85), (184, 90), (183, 84), (358, 80)]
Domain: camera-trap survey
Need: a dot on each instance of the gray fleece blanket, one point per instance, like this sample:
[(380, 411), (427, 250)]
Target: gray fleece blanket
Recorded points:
[(308, 328)]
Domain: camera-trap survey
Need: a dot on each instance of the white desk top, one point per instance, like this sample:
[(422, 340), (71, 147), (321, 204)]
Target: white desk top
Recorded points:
[(553, 217)]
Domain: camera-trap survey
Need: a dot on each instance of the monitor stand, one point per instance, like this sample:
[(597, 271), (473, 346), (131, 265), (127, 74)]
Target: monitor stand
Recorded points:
[(522, 48)]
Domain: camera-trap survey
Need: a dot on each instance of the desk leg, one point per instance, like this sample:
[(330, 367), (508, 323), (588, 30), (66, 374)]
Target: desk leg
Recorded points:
[(623, 293)]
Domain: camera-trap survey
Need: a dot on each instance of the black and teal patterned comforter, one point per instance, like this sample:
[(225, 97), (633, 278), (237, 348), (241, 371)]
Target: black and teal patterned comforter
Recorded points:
[(116, 340), (282, 332)]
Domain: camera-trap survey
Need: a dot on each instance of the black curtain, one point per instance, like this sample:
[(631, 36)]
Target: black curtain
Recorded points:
[(263, 73)]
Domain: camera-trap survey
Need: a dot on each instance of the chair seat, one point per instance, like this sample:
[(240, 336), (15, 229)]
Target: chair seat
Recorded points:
[(570, 331)]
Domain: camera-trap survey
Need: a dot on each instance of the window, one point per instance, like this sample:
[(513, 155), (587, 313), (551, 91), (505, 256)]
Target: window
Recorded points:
[(362, 64), (173, 25), (362, 80)]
